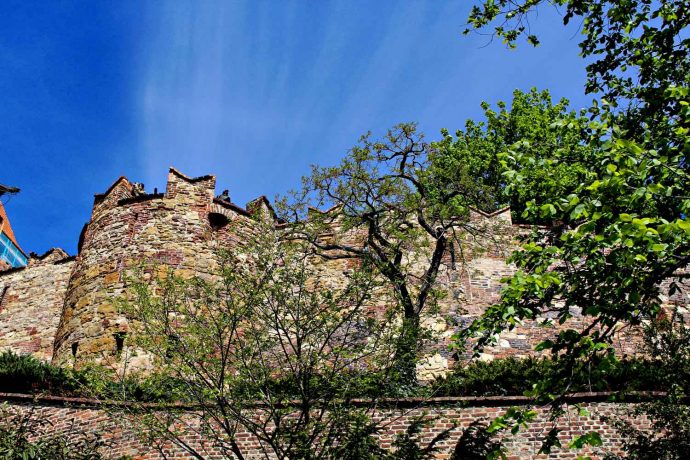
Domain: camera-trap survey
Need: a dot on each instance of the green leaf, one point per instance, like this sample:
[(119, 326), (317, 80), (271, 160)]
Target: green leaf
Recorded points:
[(544, 345), (588, 439), (547, 210), (683, 225), (579, 211), (658, 247)]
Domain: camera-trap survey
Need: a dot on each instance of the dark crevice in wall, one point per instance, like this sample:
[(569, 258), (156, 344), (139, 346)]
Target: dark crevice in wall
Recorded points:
[(119, 342), (2, 295)]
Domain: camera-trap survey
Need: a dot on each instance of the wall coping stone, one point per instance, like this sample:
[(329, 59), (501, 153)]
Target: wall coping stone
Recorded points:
[(461, 401), (65, 259), (140, 198), (191, 179)]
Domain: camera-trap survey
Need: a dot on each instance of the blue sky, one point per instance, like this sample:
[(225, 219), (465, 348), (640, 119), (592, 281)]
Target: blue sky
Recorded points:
[(253, 92)]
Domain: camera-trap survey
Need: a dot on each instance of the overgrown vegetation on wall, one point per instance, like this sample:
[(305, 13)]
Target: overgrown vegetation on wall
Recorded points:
[(620, 245), (609, 187), (26, 374)]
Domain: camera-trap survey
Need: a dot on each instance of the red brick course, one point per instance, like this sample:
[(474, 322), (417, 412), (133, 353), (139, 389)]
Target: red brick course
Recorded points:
[(70, 415)]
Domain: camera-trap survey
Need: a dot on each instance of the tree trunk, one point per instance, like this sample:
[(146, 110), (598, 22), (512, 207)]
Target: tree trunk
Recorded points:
[(405, 362)]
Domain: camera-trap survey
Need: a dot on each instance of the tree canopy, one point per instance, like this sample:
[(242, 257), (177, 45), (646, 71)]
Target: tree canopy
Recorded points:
[(397, 210), (636, 49), (266, 345), (541, 127), (620, 240)]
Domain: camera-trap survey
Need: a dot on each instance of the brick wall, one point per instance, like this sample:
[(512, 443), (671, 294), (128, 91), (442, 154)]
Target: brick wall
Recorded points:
[(69, 415)]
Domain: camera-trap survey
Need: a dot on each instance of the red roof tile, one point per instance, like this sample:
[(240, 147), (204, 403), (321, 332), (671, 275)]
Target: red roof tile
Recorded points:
[(6, 227)]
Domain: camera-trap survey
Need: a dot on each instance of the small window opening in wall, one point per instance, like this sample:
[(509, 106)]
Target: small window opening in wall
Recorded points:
[(217, 220), (172, 346), (119, 342), (75, 346)]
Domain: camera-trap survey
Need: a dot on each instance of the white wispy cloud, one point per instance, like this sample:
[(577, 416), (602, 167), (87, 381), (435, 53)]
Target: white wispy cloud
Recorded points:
[(240, 87), (256, 91)]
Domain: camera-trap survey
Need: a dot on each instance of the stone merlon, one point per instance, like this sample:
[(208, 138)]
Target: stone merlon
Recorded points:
[(64, 309)]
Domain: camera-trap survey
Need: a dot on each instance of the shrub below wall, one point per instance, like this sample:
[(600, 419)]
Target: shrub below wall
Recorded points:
[(26, 374), (501, 377), (514, 376)]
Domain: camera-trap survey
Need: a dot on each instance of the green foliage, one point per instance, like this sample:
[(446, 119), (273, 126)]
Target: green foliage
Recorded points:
[(591, 438), (540, 127), (636, 49), (628, 213), (26, 374), (265, 344), (395, 215), (513, 419), (478, 443), (104, 384), (500, 377), (669, 439), (23, 437), (517, 376), (621, 233)]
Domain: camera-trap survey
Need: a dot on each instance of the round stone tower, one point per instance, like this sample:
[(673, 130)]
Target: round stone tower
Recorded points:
[(179, 229)]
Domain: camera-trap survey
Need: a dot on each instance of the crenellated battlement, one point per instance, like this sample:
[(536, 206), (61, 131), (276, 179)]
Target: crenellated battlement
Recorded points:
[(180, 228), (200, 192), (183, 189), (64, 308)]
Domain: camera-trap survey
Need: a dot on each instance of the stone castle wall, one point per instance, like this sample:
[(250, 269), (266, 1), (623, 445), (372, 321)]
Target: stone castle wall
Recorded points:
[(31, 300), (65, 309), (127, 229)]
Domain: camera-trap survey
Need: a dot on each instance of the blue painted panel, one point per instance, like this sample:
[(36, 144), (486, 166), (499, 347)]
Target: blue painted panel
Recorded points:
[(11, 253)]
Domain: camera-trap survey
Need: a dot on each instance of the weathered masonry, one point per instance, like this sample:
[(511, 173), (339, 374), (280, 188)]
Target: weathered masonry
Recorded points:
[(63, 308), (454, 414)]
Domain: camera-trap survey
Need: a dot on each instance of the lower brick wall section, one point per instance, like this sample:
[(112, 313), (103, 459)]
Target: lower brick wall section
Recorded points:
[(69, 416)]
